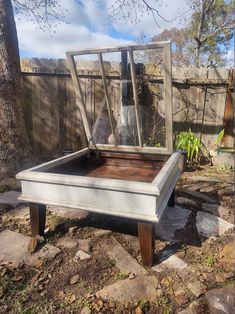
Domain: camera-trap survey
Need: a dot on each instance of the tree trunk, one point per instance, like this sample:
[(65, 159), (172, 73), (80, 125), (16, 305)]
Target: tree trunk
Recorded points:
[(15, 151)]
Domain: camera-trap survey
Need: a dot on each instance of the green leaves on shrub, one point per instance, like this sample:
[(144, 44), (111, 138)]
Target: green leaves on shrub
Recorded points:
[(188, 142), (219, 138)]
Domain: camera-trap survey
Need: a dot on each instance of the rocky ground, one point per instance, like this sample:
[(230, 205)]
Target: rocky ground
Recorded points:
[(90, 263)]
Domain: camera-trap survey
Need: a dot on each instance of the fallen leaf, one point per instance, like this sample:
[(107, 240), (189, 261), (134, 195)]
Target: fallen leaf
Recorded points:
[(40, 288), (3, 272), (38, 263), (32, 245), (61, 294), (74, 279), (70, 298), (131, 276), (17, 278), (138, 310), (1, 292)]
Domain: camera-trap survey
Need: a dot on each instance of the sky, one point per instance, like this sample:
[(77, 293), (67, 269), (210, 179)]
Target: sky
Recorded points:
[(88, 24)]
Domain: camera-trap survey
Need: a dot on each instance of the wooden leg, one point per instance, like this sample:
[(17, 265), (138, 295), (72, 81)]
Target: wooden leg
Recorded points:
[(37, 218), (171, 202), (146, 239)]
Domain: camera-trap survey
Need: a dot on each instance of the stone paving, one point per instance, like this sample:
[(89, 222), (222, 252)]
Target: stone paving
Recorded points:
[(13, 247), (10, 198), (19, 213), (141, 284), (131, 290), (210, 225), (172, 219), (123, 260)]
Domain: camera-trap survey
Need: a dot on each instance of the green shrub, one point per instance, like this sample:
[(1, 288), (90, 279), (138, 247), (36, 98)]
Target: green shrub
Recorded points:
[(188, 142)]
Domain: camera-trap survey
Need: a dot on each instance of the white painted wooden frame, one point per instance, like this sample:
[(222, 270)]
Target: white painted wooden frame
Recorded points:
[(167, 96), (130, 199)]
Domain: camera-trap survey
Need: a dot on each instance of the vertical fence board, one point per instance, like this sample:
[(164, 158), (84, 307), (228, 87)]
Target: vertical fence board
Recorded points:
[(54, 123)]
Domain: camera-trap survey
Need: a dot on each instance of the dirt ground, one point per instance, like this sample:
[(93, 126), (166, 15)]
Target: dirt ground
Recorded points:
[(47, 287)]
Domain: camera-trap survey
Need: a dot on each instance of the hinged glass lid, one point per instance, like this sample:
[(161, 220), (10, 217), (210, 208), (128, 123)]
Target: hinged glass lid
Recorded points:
[(125, 96)]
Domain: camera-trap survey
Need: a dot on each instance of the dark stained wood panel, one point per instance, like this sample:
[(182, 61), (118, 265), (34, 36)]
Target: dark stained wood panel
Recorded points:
[(130, 167)]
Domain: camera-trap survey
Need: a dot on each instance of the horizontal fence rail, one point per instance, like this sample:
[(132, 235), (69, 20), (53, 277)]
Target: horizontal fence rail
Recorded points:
[(202, 101)]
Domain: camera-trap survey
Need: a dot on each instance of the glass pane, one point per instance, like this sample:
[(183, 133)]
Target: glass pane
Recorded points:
[(149, 87), (149, 81)]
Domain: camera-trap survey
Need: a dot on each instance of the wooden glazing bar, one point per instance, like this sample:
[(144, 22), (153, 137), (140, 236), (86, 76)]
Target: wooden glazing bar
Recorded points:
[(111, 120), (168, 95), (134, 149), (79, 94), (121, 48), (136, 100)]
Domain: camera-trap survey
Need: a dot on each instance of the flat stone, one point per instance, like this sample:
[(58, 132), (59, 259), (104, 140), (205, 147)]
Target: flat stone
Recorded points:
[(133, 241), (209, 225), (101, 232), (201, 178), (11, 198), (227, 254), (131, 290), (82, 256), (229, 190), (172, 219), (85, 310), (182, 299), (222, 277), (74, 279), (69, 213), (196, 288), (193, 187), (171, 261), (185, 201), (84, 245), (13, 247), (216, 209), (200, 196), (194, 308), (221, 300), (19, 213), (67, 243), (207, 189), (46, 253), (123, 260)]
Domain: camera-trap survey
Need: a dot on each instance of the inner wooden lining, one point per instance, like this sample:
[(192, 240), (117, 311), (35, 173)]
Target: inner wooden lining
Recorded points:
[(130, 167)]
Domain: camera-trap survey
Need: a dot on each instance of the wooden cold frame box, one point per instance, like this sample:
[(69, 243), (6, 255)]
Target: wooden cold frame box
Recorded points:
[(134, 182)]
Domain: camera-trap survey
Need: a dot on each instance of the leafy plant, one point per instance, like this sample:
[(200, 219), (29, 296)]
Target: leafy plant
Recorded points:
[(220, 136), (163, 301), (121, 276), (210, 261), (188, 142)]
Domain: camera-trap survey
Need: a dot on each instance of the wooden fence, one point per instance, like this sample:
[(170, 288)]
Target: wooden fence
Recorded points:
[(202, 100)]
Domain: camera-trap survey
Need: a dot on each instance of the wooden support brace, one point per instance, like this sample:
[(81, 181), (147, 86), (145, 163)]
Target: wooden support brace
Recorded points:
[(111, 119), (37, 218), (136, 100), (79, 95), (147, 244)]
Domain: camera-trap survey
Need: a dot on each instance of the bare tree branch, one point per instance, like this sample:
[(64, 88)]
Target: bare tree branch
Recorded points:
[(222, 28), (155, 10), (45, 13)]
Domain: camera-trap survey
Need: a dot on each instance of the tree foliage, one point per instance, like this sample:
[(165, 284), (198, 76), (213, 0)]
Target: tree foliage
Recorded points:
[(46, 14), (207, 37), (133, 10)]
